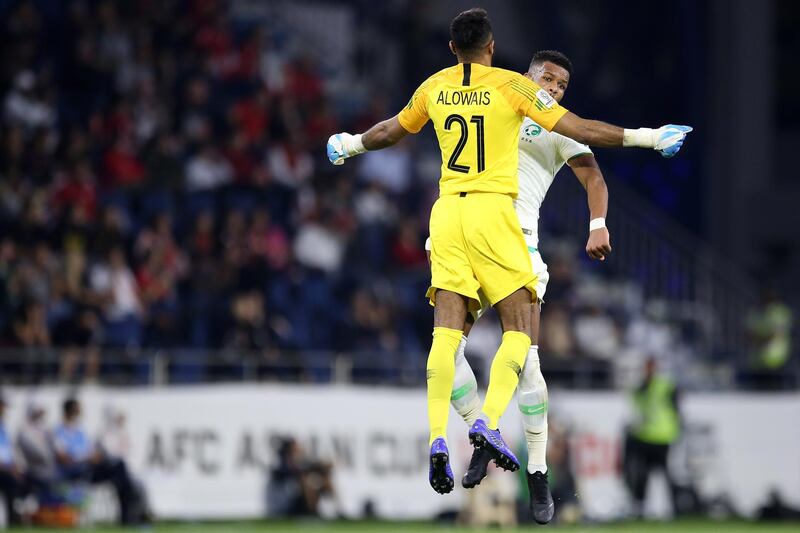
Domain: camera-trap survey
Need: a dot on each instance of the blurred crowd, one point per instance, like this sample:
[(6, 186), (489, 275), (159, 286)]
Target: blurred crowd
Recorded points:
[(163, 187), (53, 465)]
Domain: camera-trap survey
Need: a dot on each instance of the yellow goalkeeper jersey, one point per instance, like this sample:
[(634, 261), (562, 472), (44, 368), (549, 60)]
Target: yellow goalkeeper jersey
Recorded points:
[(477, 112)]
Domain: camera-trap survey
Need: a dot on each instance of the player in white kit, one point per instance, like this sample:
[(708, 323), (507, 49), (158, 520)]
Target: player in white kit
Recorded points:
[(541, 156)]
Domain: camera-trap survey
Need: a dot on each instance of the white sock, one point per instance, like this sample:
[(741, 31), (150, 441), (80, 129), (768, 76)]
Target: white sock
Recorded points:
[(532, 398), (465, 398), (537, 451)]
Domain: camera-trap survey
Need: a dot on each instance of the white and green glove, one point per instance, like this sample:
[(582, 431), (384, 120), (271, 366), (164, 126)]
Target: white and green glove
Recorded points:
[(343, 145), (666, 140)]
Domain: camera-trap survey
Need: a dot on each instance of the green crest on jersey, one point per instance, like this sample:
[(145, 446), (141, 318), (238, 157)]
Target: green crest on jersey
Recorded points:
[(533, 130)]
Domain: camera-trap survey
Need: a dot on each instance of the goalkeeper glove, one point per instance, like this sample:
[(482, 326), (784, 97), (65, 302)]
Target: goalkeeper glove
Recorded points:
[(666, 140), (343, 145)]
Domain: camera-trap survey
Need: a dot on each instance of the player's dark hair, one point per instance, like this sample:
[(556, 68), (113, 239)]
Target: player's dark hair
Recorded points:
[(553, 56), (470, 30)]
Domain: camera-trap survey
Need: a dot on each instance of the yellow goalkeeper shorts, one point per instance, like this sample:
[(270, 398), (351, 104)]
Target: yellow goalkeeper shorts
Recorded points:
[(477, 243)]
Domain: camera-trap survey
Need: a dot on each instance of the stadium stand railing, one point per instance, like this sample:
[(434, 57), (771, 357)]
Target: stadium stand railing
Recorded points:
[(184, 366), (143, 367)]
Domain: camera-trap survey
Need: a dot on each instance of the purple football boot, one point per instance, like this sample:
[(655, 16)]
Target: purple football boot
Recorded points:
[(489, 439), (439, 474)]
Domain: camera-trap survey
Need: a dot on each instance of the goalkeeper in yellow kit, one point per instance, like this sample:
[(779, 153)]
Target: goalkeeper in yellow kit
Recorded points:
[(476, 241)]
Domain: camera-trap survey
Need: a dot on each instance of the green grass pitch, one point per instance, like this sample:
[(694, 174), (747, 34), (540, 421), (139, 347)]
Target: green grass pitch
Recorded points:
[(300, 526)]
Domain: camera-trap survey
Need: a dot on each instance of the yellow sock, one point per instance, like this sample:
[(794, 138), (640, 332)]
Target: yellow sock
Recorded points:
[(504, 376), (441, 370)]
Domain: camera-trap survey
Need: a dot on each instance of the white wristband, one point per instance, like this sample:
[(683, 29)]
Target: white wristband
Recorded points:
[(428, 244), (597, 223), (353, 145), (642, 137)]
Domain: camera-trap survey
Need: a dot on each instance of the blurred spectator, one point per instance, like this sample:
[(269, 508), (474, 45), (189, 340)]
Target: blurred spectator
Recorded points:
[(407, 251), (32, 334), (123, 167), (79, 460), (268, 242), (289, 162), (250, 329), (35, 275), (13, 484), (207, 170), (80, 337), (122, 307), (110, 233), (157, 279), (243, 160), (196, 116), (114, 441), (303, 81), (77, 189), (556, 338), (770, 331), (163, 162), (25, 107), (74, 232), (8, 258), (33, 224), (114, 444), (297, 482), (251, 117), (656, 427), (373, 206), (389, 168), (562, 273), (33, 443), (321, 123), (596, 334), (74, 274), (148, 113), (30, 328), (650, 333), (203, 241), (370, 329), (777, 509), (234, 241), (316, 246)]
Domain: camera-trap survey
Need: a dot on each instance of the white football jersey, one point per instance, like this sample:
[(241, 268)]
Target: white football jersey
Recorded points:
[(541, 155)]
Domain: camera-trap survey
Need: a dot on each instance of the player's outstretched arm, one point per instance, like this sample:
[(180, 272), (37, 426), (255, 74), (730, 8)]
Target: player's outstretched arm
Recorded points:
[(588, 173), (666, 140), (383, 134)]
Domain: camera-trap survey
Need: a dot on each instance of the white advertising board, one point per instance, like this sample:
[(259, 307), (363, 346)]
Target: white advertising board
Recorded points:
[(206, 451)]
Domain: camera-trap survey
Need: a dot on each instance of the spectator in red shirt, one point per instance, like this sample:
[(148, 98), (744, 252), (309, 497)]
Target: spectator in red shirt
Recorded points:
[(407, 251), (241, 158), (320, 123), (252, 116), (203, 242), (303, 82), (123, 168), (268, 242), (79, 188)]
